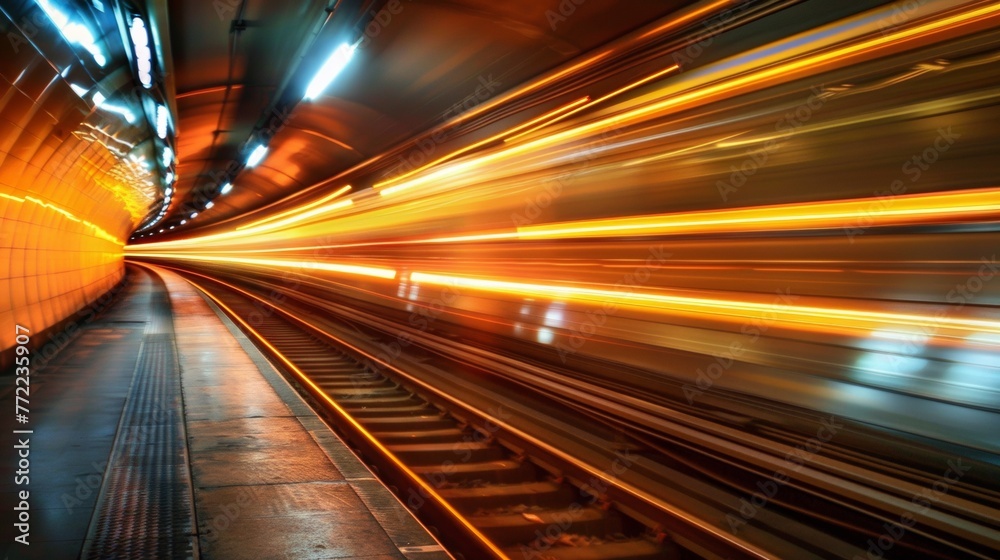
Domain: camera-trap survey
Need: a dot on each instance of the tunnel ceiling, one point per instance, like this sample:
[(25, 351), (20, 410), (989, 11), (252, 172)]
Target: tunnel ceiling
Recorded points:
[(240, 69)]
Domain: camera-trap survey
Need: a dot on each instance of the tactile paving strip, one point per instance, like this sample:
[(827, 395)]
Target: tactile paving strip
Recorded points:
[(145, 509)]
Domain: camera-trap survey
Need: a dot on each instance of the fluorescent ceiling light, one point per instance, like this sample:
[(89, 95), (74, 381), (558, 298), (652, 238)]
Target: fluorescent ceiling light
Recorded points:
[(161, 121), (143, 55), (226, 188), (257, 155), (333, 65)]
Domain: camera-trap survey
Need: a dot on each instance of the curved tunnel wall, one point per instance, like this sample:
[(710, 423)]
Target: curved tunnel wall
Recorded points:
[(65, 203)]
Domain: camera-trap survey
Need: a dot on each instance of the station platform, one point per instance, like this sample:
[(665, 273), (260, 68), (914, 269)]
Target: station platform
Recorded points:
[(159, 431)]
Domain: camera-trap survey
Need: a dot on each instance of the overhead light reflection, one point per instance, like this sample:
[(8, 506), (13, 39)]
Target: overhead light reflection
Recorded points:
[(101, 102), (74, 32)]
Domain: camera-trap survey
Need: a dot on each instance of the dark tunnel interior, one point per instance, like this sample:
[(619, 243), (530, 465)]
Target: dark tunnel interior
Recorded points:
[(722, 275)]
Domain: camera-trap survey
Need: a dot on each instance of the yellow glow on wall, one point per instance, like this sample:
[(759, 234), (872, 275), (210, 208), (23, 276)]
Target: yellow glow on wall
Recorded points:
[(98, 231), (66, 203)]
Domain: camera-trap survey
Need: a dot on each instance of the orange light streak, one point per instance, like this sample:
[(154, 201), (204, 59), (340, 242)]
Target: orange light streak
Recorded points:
[(550, 118), (623, 89), (672, 153), (298, 209), (807, 316), (539, 119), (687, 17), (785, 70), (372, 271), (860, 212), (900, 210)]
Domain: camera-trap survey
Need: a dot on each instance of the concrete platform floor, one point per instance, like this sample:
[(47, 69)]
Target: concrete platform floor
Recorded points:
[(159, 431)]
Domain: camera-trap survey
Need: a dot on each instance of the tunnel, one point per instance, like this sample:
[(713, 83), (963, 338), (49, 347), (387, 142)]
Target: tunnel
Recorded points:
[(522, 280)]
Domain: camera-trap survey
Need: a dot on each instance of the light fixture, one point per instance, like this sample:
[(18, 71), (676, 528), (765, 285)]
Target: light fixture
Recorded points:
[(170, 177), (161, 121), (194, 215), (168, 156), (333, 65), (73, 32), (226, 188), (257, 155), (169, 191), (143, 54), (183, 222), (209, 204)]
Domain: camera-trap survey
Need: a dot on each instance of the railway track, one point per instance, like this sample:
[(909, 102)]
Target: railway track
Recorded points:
[(481, 496), (493, 490)]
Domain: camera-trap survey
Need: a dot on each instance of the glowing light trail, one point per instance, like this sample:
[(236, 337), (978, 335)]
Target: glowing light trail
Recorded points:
[(358, 270), (808, 317)]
